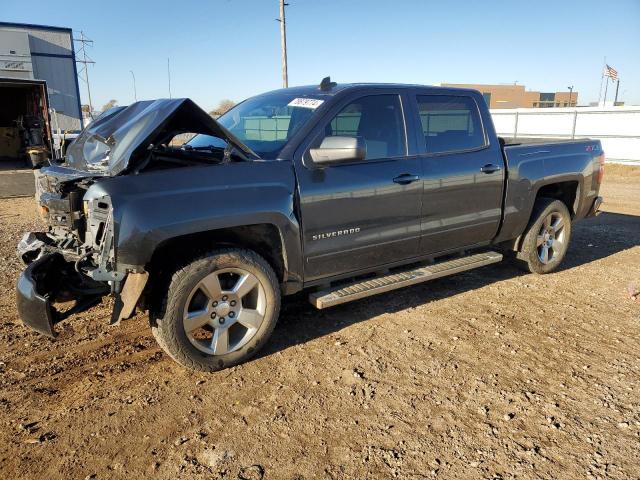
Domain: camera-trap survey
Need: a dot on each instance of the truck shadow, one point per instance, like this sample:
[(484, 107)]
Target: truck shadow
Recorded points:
[(592, 239), (602, 236)]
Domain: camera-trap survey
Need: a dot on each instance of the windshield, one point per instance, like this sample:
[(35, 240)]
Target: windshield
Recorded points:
[(264, 123)]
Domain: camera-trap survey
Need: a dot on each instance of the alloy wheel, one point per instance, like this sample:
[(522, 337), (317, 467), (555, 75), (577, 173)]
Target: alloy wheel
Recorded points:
[(551, 238), (224, 311)]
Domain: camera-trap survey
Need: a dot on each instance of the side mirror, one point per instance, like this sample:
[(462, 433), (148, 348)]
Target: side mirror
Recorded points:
[(339, 150)]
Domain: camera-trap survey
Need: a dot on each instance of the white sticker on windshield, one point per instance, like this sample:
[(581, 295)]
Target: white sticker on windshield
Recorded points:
[(311, 103)]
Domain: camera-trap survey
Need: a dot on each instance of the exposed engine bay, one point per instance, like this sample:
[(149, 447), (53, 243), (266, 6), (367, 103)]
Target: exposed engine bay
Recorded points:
[(77, 226)]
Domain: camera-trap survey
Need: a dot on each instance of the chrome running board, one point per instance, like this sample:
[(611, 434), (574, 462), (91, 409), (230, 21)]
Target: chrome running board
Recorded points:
[(390, 281)]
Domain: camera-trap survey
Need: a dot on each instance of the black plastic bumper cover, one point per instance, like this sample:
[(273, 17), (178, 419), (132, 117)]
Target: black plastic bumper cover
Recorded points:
[(33, 302), (52, 279)]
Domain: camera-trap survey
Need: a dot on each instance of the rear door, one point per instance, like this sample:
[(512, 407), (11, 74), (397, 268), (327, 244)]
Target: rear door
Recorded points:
[(362, 214), (463, 174)]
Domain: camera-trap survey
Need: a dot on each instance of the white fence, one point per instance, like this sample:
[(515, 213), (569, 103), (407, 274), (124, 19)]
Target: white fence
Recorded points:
[(618, 128)]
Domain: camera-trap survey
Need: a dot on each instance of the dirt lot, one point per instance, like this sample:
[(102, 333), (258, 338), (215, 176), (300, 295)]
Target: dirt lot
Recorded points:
[(488, 374)]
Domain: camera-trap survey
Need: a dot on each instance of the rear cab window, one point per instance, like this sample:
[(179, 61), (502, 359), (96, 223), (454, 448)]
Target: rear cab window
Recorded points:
[(450, 123)]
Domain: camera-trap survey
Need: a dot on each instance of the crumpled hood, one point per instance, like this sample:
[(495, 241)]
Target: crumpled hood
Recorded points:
[(113, 140)]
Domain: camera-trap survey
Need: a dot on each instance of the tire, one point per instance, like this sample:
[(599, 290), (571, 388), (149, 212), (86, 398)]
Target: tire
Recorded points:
[(540, 237), (218, 311)]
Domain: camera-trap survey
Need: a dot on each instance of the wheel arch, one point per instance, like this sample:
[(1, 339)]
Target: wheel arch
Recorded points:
[(263, 238), (568, 192)]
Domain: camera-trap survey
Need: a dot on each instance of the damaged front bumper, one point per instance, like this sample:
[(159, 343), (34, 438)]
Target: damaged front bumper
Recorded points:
[(33, 302), (55, 275), (50, 279)]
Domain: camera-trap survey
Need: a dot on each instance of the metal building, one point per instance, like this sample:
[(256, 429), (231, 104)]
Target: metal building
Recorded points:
[(44, 53)]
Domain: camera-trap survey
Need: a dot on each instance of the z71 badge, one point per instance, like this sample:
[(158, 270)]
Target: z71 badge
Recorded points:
[(337, 233)]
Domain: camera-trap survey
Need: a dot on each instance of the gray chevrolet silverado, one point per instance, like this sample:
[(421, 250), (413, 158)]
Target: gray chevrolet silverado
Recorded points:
[(344, 191)]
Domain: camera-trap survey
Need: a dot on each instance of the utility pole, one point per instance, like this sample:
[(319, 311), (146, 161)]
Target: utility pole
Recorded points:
[(169, 76), (617, 88), (570, 92), (135, 93), (283, 44), (85, 61)]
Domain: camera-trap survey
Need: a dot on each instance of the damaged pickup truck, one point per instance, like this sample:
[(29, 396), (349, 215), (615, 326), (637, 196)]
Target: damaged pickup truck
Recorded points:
[(344, 190)]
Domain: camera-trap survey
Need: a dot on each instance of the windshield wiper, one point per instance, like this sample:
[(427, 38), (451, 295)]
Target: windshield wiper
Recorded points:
[(210, 148), (168, 158)]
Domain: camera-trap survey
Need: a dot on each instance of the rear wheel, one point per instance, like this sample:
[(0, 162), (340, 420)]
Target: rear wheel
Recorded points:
[(219, 310), (547, 237)]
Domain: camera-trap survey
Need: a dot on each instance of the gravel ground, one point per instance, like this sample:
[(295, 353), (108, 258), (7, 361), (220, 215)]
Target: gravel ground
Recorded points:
[(487, 374)]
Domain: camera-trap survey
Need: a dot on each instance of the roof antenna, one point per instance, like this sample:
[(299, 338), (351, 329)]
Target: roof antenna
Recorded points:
[(327, 84)]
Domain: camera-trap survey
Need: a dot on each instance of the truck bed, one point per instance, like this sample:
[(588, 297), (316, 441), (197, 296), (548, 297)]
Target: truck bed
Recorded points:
[(577, 164)]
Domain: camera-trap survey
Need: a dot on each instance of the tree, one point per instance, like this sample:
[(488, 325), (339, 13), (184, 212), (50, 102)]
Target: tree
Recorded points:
[(224, 106), (109, 104)]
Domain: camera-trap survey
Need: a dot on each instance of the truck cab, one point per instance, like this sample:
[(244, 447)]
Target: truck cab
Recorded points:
[(431, 180)]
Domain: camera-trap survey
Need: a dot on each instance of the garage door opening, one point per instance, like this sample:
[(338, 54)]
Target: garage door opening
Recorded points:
[(25, 139)]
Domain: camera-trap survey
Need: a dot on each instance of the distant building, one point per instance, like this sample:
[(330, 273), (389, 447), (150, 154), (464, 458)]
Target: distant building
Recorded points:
[(44, 53), (515, 96)]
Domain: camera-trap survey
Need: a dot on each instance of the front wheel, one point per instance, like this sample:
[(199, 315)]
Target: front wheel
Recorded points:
[(219, 310), (547, 237)]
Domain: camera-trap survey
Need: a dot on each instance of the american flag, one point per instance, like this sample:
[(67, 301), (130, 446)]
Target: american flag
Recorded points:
[(610, 72)]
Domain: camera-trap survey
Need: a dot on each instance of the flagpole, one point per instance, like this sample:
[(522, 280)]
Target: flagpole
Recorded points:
[(601, 80), (606, 87)]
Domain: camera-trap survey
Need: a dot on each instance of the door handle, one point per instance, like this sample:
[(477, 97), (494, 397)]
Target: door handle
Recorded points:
[(490, 168), (406, 178)]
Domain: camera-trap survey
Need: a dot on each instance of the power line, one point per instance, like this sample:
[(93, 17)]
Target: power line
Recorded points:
[(84, 62)]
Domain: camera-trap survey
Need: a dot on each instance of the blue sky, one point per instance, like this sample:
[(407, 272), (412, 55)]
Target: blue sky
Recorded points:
[(231, 48)]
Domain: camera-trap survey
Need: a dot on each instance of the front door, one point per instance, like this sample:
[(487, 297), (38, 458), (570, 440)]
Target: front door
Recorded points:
[(362, 214)]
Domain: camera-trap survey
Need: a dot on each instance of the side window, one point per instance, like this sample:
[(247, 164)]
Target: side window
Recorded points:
[(375, 118), (450, 123)]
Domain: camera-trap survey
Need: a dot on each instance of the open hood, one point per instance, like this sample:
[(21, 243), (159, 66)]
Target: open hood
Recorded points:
[(117, 137)]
